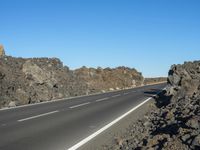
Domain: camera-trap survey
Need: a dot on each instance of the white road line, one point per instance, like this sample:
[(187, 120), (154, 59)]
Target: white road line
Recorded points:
[(103, 99), (126, 93), (116, 95), (87, 139), (33, 117), (70, 98), (79, 105)]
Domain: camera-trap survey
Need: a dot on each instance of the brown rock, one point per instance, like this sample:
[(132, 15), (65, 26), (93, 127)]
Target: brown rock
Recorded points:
[(32, 80), (2, 51)]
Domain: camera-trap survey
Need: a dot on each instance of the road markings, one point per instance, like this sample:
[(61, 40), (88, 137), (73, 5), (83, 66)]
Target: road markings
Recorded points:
[(126, 93), (70, 98), (3, 125), (37, 116), (87, 139), (103, 99), (79, 105), (116, 95)]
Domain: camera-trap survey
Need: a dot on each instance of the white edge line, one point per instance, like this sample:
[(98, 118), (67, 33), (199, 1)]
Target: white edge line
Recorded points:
[(69, 98), (102, 99), (79, 105), (87, 139), (33, 117)]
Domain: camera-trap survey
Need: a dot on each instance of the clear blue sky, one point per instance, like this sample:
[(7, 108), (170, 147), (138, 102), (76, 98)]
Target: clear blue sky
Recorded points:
[(149, 35)]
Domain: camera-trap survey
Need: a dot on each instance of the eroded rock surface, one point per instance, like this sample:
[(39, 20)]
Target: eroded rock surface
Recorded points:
[(174, 120), (32, 80)]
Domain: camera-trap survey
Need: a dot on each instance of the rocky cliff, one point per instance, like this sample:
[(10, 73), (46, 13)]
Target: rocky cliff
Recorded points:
[(174, 120), (25, 81)]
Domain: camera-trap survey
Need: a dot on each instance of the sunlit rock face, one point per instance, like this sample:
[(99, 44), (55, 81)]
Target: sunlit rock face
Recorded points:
[(2, 51), (32, 80), (174, 121)]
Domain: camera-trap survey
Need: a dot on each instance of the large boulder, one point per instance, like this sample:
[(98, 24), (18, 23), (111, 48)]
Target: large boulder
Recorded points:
[(34, 73)]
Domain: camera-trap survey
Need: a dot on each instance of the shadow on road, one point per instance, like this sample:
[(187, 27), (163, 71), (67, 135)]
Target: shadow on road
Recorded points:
[(160, 99), (152, 91)]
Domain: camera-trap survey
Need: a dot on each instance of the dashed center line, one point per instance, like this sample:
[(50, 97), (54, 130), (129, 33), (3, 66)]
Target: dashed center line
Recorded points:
[(93, 135), (79, 105), (37, 116), (3, 124), (103, 99), (116, 95)]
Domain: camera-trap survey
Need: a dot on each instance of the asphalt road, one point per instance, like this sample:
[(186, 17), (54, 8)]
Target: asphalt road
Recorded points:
[(60, 125)]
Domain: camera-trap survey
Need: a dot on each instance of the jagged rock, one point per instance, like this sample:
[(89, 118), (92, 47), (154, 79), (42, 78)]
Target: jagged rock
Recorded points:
[(185, 137), (147, 124), (33, 80), (175, 123), (35, 73), (108, 79), (182, 112), (2, 76), (194, 123), (196, 142), (21, 96), (12, 104)]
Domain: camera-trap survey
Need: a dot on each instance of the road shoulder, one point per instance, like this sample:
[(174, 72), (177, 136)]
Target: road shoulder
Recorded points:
[(116, 133)]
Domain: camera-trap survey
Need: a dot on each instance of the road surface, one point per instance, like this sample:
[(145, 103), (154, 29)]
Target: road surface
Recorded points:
[(62, 124)]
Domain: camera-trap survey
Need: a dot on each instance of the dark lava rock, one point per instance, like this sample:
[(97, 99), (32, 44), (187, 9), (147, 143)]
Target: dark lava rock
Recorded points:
[(175, 121), (32, 80)]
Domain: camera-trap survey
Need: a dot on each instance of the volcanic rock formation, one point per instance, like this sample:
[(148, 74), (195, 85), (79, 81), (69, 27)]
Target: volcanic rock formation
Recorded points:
[(174, 120), (32, 80)]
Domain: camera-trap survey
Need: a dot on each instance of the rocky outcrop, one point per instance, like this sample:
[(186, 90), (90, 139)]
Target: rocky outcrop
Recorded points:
[(108, 79), (176, 125), (25, 81), (174, 120)]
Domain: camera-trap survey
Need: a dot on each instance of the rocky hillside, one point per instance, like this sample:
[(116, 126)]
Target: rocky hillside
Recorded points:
[(174, 120), (25, 81)]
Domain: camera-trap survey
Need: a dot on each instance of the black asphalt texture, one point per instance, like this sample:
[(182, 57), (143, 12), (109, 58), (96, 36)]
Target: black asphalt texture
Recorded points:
[(61, 124)]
